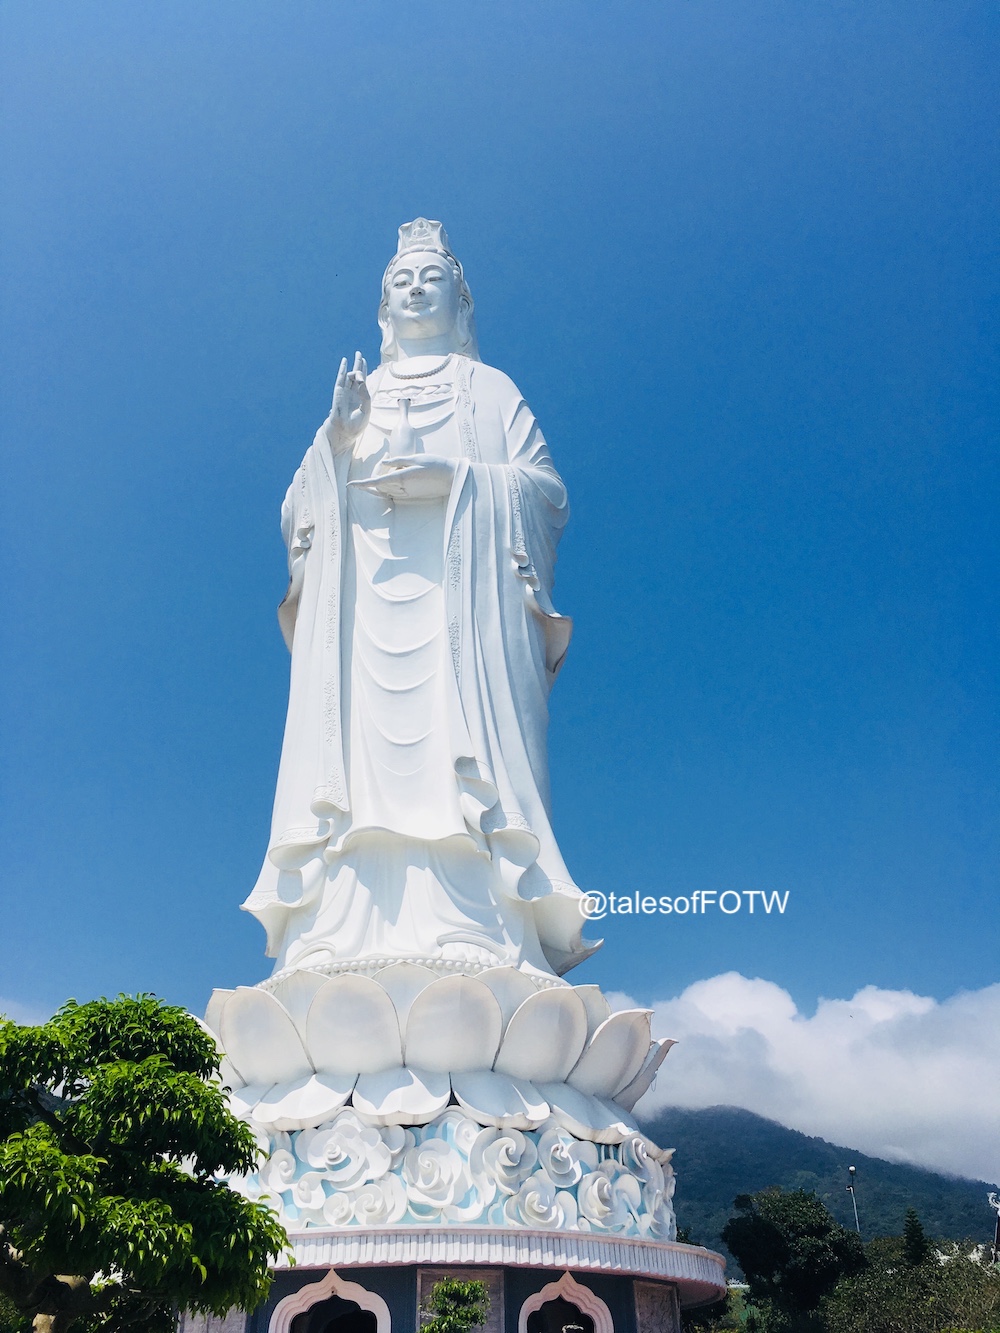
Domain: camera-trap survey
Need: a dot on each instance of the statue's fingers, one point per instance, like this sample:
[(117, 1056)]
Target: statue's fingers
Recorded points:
[(359, 366), (341, 374)]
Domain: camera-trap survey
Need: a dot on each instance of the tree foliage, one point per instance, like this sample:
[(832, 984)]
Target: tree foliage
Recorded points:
[(917, 1248), (727, 1151), (720, 1315), (114, 1132), (792, 1253), (951, 1289), (456, 1307)]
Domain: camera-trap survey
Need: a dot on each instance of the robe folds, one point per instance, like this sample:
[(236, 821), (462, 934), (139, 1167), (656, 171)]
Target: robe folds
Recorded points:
[(411, 817)]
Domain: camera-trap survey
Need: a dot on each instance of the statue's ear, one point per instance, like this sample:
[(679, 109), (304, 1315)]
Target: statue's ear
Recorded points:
[(463, 326), (388, 350)]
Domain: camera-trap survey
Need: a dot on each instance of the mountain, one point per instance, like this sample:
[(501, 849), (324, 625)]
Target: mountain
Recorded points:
[(723, 1151)]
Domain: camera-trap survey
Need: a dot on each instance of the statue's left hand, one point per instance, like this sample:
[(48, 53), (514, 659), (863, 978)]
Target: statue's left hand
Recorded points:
[(415, 477)]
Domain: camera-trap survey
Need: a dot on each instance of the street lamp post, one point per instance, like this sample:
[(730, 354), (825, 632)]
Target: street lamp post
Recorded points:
[(852, 1171)]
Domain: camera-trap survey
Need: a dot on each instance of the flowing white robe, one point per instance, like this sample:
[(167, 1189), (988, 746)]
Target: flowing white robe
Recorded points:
[(411, 818)]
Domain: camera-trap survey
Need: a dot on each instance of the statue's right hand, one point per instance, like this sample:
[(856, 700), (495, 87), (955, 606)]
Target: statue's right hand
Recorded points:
[(351, 406)]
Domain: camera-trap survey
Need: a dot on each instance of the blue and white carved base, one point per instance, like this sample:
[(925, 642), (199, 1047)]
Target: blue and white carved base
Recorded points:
[(457, 1172)]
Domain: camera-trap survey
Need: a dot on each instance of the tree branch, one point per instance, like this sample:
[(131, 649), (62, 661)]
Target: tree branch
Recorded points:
[(39, 1097), (17, 1281)]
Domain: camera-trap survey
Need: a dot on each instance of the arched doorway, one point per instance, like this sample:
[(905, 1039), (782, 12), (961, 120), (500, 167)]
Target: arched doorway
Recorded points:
[(332, 1305), (335, 1315), (565, 1305), (559, 1316)]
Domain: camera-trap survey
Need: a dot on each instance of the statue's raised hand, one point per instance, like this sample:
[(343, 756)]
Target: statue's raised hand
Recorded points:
[(351, 406)]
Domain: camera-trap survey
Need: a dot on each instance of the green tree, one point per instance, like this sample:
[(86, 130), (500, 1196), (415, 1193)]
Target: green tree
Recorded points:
[(11, 1319), (719, 1317), (952, 1290), (114, 1133), (792, 1253), (456, 1307), (916, 1247), (723, 1314)]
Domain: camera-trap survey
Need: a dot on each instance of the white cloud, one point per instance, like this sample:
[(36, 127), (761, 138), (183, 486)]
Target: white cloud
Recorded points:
[(22, 1013), (891, 1073)]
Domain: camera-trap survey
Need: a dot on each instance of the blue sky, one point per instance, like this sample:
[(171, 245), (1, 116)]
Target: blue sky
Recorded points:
[(740, 257)]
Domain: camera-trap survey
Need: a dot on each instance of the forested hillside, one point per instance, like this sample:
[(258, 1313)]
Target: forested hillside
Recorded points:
[(723, 1151)]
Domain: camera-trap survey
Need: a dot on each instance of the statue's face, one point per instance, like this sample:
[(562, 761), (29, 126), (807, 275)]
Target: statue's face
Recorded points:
[(424, 296)]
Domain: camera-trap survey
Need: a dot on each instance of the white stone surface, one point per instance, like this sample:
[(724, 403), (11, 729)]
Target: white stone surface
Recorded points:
[(453, 1170), (453, 1025), (538, 1064), (411, 818), (545, 1037), (699, 1273), (414, 896), (614, 1054), (351, 1026)]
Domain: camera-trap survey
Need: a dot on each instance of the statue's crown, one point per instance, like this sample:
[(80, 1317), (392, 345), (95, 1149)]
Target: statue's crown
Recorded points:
[(421, 234)]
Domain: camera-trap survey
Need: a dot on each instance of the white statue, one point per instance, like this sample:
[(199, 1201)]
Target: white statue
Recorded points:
[(412, 820), (415, 1060)]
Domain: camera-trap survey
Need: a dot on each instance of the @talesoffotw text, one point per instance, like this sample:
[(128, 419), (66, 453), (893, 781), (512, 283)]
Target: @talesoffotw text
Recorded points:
[(747, 902)]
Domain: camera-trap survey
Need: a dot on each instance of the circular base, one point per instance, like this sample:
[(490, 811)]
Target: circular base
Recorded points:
[(699, 1274)]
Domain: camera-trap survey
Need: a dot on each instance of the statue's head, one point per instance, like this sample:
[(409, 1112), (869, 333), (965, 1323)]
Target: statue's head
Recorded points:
[(424, 293)]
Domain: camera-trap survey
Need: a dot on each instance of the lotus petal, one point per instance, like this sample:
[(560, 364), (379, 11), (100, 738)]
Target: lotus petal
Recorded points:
[(454, 1024), (615, 1055), (630, 1094), (351, 1027), (494, 1099), (545, 1037), (213, 1012), (510, 987), (596, 1005), (243, 1100), (260, 1038), (404, 982), (229, 1075), (587, 1117), (296, 991), (304, 1103), (401, 1096), (209, 1032)]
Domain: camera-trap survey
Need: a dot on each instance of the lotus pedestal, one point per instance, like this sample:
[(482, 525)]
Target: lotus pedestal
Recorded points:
[(418, 1124)]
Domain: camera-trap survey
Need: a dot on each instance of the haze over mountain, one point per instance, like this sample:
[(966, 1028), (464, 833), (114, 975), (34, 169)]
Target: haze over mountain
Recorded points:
[(723, 1151)]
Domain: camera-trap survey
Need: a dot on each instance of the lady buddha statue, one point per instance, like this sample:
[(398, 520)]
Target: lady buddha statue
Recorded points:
[(412, 819)]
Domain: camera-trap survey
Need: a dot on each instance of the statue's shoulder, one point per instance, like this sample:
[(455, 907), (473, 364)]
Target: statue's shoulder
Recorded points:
[(489, 381)]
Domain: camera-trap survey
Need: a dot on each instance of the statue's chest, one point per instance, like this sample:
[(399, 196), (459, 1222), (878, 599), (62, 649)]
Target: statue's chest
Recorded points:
[(432, 413)]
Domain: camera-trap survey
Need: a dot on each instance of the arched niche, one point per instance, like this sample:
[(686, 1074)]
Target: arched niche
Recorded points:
[(351, 1308), (565, 1297)]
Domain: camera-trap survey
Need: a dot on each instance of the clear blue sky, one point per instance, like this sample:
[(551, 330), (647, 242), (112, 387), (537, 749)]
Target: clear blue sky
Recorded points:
[(740, 256)]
